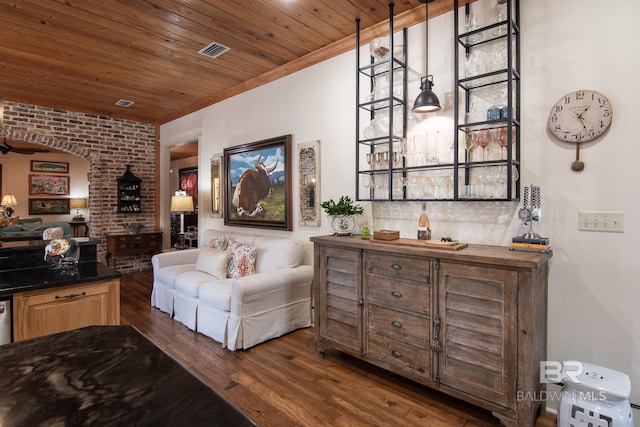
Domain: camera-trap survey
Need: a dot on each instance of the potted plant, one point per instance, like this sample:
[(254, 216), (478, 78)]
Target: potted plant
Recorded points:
[(341, 215)]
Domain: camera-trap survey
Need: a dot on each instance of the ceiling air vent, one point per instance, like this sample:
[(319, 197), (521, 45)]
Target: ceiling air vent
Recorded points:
[(124, 103), (213, 50)]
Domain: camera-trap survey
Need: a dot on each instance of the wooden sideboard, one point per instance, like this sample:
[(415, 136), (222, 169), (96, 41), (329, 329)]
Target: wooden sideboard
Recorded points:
[(471, 323), (132, 244)]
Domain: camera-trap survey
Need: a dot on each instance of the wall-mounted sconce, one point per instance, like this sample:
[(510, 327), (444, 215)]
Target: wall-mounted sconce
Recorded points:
[(216, 190)]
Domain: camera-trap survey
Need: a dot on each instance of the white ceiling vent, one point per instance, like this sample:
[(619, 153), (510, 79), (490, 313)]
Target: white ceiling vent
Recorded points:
[(124, 103), (213, 50)]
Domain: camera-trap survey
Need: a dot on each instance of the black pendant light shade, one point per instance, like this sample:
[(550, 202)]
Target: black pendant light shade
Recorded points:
[(427, 101)]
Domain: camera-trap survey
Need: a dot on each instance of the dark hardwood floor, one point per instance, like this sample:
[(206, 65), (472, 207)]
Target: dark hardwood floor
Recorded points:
[(284, 383)]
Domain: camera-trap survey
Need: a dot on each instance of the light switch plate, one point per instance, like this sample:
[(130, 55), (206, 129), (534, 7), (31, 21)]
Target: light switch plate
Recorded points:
[(612, 222)]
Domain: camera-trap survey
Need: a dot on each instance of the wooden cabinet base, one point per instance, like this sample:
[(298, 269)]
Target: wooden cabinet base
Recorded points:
[(469, 323), (49, 311)]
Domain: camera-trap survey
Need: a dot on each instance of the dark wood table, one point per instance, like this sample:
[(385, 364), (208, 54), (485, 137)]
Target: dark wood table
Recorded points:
[(104, 376), (75, 228)]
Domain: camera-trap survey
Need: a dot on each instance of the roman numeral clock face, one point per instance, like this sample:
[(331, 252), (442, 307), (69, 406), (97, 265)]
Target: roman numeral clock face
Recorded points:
[(580, 116)]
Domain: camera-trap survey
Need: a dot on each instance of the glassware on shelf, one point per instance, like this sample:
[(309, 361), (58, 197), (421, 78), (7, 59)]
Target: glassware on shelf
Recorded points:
[(494, 150), (495, 111), (371, 160), (499, 15), (374, 130), (379, 48), (483, 139), (433, 147), (474, 114), (471, 23)]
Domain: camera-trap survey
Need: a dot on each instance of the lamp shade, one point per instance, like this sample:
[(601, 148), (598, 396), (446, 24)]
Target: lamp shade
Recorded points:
[(182, 204), (8, 200), (426, 101), (78, 203)]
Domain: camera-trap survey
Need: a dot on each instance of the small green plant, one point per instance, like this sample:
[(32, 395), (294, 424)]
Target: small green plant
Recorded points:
[(344, 207)]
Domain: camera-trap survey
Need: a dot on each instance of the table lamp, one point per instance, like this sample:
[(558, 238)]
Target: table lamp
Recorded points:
[(77, 204), (181, 203), (8, 200)]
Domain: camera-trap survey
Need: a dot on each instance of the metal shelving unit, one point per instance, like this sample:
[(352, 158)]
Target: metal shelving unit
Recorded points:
[(499, 40), (390, 112)]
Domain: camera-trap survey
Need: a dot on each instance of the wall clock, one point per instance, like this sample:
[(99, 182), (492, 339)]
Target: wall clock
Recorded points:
[(580, 116)]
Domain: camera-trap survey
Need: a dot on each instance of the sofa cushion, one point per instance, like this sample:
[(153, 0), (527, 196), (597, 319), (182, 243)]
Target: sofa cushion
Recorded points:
[(274, 254), (189, 283), (243, 259), (213, 261), (167, 275), (217, 294)]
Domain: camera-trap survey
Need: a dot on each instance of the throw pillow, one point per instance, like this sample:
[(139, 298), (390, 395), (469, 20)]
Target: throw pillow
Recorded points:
[(213, 261), (219, 243), (243, 259)]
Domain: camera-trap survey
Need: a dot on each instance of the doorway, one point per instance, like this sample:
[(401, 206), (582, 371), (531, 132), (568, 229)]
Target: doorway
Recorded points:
[(184, 177)]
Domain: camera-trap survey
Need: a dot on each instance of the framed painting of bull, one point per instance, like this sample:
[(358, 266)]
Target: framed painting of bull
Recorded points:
[(257, 189)]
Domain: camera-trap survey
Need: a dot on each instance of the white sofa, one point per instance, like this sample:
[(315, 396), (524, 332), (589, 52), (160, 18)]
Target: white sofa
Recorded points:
[(237, 312)]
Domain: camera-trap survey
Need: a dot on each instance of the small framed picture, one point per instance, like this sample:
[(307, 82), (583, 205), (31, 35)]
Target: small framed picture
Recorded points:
[(48, 206), (50, 185), (49, 167)]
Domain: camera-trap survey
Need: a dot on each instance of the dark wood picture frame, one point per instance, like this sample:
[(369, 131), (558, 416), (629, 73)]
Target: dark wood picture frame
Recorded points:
[(49, 167), (188, 182), (262, 170), (43, 206), (49, 185)]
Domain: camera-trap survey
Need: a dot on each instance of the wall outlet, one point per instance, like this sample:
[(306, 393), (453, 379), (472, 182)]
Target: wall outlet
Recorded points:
[(612, 222)]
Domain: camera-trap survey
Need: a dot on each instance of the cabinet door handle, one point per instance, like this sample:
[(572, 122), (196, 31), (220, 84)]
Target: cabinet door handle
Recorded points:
[(396, 266), (396, 294), (397, 354), (71, 295), (396, 324)]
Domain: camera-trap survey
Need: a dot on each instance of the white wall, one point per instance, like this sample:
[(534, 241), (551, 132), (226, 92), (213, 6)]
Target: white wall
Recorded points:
[(566, 45)]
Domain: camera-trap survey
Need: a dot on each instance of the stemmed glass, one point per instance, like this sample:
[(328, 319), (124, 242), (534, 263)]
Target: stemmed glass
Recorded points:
[(483, 139), (502, 140), (370, 160)]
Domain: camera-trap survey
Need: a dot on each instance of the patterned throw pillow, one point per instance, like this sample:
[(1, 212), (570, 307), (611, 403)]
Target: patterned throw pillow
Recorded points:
[(243, 259), (219, 243)]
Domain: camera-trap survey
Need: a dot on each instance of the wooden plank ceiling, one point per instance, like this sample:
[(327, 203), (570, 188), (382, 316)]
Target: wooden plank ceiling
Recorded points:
[(85, 55)]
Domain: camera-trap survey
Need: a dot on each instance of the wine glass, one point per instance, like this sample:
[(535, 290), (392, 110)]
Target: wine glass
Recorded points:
[(502, 140), (371, 160), (483, 139)]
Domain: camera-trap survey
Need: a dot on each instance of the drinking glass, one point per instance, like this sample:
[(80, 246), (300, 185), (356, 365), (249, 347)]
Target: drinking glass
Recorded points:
[(484, 138)]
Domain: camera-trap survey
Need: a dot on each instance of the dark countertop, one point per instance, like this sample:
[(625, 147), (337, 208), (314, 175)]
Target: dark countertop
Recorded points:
[(23, 268), (104, 375), (29, 279)]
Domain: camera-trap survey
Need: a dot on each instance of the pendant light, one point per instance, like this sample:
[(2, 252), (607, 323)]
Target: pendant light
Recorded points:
[(427, 101)]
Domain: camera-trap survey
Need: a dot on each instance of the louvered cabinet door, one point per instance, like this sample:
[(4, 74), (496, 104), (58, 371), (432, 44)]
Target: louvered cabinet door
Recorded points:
[(338, 302), (478, 330)]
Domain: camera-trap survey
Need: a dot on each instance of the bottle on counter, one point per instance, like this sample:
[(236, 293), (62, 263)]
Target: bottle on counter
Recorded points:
[(424, 226)]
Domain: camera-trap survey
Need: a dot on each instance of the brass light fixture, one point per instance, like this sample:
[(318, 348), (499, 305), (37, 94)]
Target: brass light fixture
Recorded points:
[(427, 101)]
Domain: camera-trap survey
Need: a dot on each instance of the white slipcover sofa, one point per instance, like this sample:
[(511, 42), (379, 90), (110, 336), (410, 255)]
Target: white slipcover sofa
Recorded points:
[(193, 286)]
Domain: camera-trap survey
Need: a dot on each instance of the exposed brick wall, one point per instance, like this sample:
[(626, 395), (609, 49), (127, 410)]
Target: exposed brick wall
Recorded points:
[(109, 144)]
